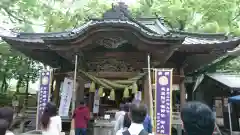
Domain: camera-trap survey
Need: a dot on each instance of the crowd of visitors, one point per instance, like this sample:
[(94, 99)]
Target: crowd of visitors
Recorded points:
[(132, 119), (197, 118)]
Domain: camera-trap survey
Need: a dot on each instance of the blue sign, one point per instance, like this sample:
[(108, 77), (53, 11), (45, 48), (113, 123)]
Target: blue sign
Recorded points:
[(163, 102), (43, 95)]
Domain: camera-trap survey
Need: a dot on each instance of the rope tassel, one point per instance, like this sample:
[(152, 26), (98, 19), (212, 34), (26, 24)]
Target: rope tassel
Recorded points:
[(112, 95), (134, 88), (126, 93), (100, 92), (92, 87)]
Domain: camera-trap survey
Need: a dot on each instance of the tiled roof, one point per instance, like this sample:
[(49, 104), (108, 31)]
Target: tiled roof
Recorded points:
[(219, 36), (191, 40), (111, 23), (230, 80), (160, 32)]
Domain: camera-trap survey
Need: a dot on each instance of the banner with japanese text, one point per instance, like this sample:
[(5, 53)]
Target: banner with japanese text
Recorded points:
[(66, 97), (43, 95), (163, 104)]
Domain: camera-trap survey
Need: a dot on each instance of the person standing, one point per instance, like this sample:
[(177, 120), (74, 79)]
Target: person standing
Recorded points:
[(3, 127), (51, 123), (119, 122), (126, 124), (6, 113), (147, 124), (197, 118), (81, 117), (120, 112), (137, 115)]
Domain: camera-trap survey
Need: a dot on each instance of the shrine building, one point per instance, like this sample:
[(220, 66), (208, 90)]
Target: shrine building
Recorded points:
[(114, 49)]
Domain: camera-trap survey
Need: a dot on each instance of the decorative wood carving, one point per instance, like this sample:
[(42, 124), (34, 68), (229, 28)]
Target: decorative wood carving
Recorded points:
[(110, 65), (111, 42)]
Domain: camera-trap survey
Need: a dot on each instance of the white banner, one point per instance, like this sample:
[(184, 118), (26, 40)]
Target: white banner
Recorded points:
[(96, 102), (66, 96)]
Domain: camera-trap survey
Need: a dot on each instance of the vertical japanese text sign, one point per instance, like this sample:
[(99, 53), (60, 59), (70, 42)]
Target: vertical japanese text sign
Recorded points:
[(163, 98), (43, 95)]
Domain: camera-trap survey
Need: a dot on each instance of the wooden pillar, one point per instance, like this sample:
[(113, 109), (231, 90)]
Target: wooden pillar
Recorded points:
[(57, 90), (52, 96), (80, 90), (145, 91), (182, 89), (91, 100)]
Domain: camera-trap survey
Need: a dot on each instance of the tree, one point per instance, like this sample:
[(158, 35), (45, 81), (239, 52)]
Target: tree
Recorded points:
[(14, 65), (195, 15)]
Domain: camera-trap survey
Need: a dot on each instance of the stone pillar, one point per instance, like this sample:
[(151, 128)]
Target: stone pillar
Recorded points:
[(80, 90), (182, 88)]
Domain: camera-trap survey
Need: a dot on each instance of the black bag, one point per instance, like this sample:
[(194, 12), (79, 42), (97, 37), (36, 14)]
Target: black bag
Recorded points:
[(143, 132)]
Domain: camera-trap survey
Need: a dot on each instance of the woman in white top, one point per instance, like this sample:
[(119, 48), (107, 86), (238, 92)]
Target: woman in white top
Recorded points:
[(51, 123), (126, 124)]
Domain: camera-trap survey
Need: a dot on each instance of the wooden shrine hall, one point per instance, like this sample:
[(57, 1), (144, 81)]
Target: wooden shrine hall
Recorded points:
[(116, 46)]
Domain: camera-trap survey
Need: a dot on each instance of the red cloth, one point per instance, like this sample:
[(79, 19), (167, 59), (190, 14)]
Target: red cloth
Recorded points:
[(81, 117)]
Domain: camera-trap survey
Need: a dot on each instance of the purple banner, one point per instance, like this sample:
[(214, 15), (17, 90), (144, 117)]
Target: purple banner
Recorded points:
[(163, 102), (43, 94)]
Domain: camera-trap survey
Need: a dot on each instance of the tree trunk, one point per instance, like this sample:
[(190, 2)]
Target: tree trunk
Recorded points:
[(27, 83), (19, 82), (3, 82), (5, 86), (26, 92)]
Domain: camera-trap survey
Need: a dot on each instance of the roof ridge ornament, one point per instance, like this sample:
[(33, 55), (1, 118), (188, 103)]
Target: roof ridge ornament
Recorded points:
[(116, 13)]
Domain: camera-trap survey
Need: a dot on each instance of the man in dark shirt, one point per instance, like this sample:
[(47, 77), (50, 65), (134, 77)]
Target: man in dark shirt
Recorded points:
[(198, 119), (81, 117)]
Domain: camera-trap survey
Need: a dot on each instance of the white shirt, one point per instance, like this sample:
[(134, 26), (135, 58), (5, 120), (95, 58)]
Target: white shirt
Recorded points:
[(134, 129), (119, 113), (54, 127), (119, 120), (9, 133), (121, 130)]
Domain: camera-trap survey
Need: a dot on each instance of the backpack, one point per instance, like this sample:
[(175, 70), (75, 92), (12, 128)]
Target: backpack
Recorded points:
[(143, 132)]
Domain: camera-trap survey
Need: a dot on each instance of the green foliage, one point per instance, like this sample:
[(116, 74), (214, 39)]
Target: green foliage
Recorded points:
[(232, 66), (5, 99), (14, 65), (195, 15)]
